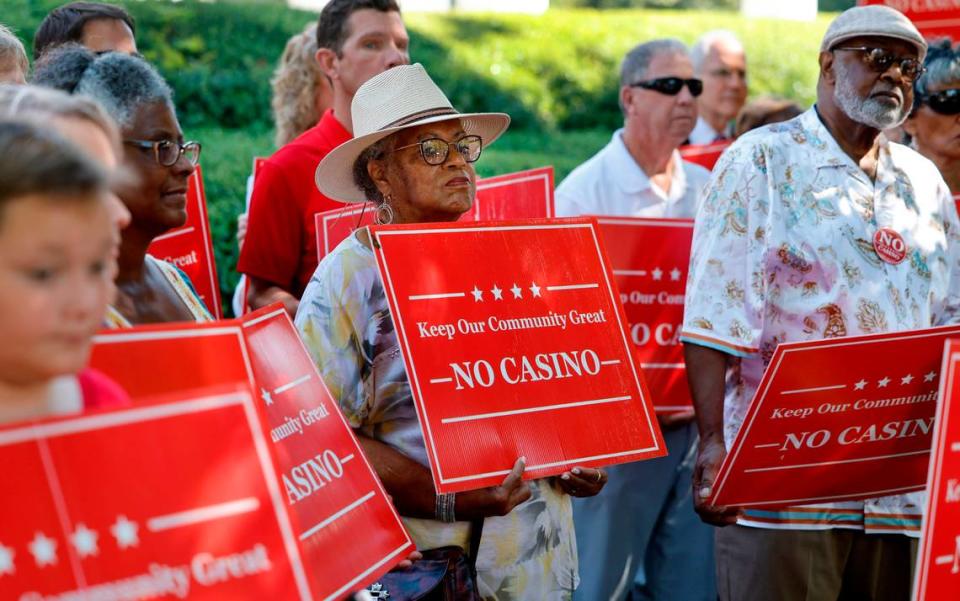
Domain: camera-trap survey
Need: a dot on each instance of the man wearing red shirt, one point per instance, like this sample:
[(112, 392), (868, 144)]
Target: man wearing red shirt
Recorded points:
[(357, 39)]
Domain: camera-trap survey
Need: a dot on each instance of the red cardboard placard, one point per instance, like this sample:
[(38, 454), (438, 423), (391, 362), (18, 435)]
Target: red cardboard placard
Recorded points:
[(520, 195), (705, 155), (938, 562), (327, 484), (650, 259), (837, 419), (190, 247), (933, 19), (95, 503), (515, 345)]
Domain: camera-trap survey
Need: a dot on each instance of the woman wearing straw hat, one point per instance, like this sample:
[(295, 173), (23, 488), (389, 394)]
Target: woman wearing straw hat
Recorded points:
[(413, 156)]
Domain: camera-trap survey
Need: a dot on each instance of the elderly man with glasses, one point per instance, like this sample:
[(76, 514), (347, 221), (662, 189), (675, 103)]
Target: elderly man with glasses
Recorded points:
[(642, 525), (793, 244), (719, 59)]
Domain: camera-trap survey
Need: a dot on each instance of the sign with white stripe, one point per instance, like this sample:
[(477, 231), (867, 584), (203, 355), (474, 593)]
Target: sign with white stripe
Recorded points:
[(515, 344)]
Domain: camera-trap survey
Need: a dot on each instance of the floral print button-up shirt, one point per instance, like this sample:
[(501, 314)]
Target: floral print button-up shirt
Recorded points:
[(783, 252)]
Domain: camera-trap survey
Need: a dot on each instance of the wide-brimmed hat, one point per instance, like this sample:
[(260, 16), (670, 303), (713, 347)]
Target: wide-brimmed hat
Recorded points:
[(874, 21), (398, 98)]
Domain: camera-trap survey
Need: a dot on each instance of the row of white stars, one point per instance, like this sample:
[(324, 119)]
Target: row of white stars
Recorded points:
[(498, 292), (84, 540), (882, 383), (675, 274)]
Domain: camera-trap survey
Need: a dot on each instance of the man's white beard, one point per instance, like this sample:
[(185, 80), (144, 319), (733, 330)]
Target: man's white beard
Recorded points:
[(868, 111)]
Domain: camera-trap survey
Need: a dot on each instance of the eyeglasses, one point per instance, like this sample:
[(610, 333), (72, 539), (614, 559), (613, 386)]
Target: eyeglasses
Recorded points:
[(879, 60), (946, 102), (434, 151), (168, 152), (671, 86)]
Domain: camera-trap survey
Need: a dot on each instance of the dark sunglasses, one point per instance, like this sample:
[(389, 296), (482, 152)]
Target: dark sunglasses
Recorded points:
[(946, 102), (879, 60), (671, 86)]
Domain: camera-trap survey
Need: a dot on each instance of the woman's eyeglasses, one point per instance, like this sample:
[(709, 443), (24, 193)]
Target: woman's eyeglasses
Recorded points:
[(946, 102), (671, 86), (434, 151), (879, 60), (168, 152)]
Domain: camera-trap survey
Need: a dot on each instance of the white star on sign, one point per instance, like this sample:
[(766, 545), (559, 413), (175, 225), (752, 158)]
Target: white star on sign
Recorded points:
[(477, 295), (267, 398), (44, 550), (930, 376), (657, 273), (906, 379), (535, 290), (6, 560), (125, 532), (882, 383), (517, 291), (859, 385), (85, 541), (497, 293), (675, 274)]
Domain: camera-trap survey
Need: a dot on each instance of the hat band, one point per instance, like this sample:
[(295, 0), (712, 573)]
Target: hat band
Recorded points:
[(436, 112)]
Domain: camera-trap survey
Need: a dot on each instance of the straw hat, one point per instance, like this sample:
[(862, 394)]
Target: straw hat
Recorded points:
[(399, 98)]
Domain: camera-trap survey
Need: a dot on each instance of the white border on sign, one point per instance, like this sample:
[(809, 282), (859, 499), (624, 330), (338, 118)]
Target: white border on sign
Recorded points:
[(358, 452), (43, 431), (418, 394), (208, 245), (925, 561), (761, 396), (322, 219), (529, 177)]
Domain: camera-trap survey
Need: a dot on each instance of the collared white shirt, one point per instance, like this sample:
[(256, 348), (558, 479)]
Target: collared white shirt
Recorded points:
[(703, 133), (782, 252), (612, 183)]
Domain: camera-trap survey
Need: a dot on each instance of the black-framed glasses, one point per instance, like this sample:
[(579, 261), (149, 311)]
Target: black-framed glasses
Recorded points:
[(168, 152), (671, 86), (879, 60), (946, 102), (434, 151)]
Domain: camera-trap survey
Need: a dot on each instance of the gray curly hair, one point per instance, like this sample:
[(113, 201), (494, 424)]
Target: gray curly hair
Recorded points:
[(121, 83)]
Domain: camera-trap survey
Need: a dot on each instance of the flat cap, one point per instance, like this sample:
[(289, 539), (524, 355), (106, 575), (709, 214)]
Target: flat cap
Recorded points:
[(874, 21)]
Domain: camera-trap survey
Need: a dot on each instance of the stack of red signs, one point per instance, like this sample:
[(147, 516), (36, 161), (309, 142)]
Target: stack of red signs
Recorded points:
[(938, 562), (172, 500), (327, 485), (838, 419), (521, 195), (933, 19), (515, 344), (650, 259), (190, 247)]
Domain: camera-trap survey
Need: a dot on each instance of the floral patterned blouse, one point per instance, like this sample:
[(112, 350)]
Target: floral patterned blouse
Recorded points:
[(345, 323), (783, 252)]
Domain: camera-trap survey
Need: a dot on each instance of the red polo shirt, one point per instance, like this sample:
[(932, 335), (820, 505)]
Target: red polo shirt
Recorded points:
[(281, 242)]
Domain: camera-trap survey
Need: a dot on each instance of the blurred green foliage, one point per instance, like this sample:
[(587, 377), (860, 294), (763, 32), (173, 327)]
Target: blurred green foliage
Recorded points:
[(555, 74)]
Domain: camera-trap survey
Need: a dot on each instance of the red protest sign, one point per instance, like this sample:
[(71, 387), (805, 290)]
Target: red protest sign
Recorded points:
[(520, 195), (650, 259), (705, 155), (938, 562), (522, 353), (190, 247), (933, 19), (327, 485), (98, 509), (835, 419)]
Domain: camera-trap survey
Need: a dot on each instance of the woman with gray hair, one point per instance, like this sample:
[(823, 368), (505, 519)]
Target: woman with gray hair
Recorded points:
[(129, 89), (934, 124)]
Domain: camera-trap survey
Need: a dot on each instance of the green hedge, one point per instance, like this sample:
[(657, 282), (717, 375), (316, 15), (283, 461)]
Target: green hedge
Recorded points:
[(557, 70)]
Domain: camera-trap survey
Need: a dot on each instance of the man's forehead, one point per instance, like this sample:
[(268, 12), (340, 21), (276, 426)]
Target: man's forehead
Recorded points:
[(366, 21), (668, 62), (899, 47)]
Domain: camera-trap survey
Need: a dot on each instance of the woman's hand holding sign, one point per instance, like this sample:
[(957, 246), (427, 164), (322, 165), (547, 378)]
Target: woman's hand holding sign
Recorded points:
[(495, 500), (582, 481)]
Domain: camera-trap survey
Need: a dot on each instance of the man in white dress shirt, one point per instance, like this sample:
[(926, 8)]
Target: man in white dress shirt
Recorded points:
[(721, 63), (642, 526)]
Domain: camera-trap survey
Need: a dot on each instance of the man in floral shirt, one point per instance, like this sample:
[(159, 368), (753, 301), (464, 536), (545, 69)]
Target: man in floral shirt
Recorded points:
[(784, 251)]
